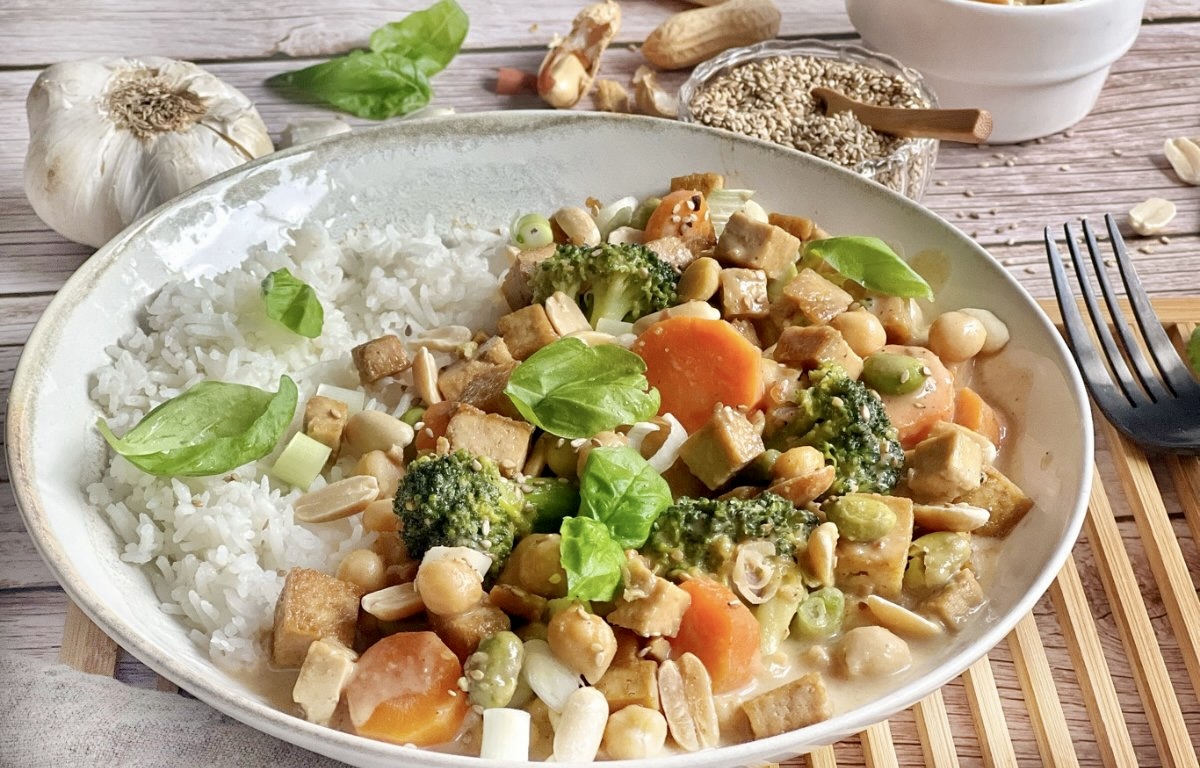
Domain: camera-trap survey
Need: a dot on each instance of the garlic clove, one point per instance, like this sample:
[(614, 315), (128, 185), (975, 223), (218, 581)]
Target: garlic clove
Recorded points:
[(113, 138)]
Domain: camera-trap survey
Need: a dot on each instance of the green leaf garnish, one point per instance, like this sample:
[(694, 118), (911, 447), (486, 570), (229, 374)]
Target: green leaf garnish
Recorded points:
[(393, 77), (211, 428), (591, 557), (871, 263), (293, 303), (572, 390), (620, 489)]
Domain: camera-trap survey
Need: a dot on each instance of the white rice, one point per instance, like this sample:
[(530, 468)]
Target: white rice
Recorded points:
[(217, 549)]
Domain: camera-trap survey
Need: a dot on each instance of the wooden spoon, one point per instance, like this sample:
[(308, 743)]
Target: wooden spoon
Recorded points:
[(970, 126)]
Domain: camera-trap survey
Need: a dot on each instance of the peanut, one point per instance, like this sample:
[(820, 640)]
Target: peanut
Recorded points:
[(569, 69), (690, 37)]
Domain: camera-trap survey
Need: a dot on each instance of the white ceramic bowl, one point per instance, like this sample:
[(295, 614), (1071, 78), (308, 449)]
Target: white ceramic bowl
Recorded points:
[(484, 168), (1038, 69)]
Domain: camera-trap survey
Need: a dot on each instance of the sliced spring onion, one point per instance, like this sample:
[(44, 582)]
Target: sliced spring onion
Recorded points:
[(549, 678), (354, 399), (505, 734), (668, 452), (613, 327), (616, 214), (723, 203), (622, 235), (301, 461)]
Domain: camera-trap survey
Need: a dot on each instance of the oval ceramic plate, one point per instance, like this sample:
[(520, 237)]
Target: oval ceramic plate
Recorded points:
[(483, 169)]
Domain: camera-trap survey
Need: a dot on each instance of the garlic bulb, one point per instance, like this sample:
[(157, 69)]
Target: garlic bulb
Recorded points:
[(112, 138)]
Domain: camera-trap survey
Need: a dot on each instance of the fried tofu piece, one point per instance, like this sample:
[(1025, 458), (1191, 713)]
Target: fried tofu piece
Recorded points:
[(726, 443), (801, 702), (312, 606), (503, 440), (384, 356), (813, 299), (324, 420), (632, 683), (516, 601), (877, 567), (463, 632), (493, 350), (954, 603), (704, 183), (515, 286), (753, 244), (901, 318), (485, 391), (657, 614), (327, 668), (526, 330), (743, 294), (800, 227), (944, 467), (805, 347), (1000, 496), (676, 251)]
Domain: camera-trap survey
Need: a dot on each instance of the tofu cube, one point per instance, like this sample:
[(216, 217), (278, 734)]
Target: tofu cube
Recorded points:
[(485, 391), (902, 319), (380, 357), (813, 299), (463, 632), (519, 602), (494, 351), (1000, 496), (526, 331), (954, 603), (658, 614), (704, 183), (877, 567), (312, 606), (744, 293), (801, 702), (633, 683), (323, 676), (515, 286), (453, 379), (324, 420), (676, 251), (800, 227), (944, 467), (805, 347), (503, 440), (753, 244), (726, 443)]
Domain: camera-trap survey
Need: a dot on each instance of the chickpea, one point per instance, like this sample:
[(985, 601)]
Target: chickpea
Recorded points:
[(599, 440), (560, 456), (634, 732), (449, 586), (872, 652), (583, 641), (535, 566), (387, 472), (365, 569), (374, 431), (797, 462), (380, 516), (956, 336), (862, 330)]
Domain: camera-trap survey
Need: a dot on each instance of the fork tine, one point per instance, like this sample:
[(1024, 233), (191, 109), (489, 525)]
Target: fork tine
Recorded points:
[(1166, 358), (1112, 356), (1099, 381), (1133, 351)]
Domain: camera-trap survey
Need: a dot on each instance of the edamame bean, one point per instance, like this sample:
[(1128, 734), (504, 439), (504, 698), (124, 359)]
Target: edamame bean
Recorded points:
[(413, 415), (532, 231), (892, 374), (860, 518), (934, 559), (493, 670), (820, 614)]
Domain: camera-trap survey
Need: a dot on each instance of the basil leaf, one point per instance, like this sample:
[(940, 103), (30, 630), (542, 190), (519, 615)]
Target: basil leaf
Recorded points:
[(591, 558), (1193, 349), (293, 303), (430, 38), (869, 262), (211, 428), (572, 390), (620, 489), (375, 85)]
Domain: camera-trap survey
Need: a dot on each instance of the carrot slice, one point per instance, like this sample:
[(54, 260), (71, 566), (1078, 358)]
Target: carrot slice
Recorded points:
[(405, 690), (697, 363), (722, 632), (682, 213), (433, 424), (974, 413), (914, 413)]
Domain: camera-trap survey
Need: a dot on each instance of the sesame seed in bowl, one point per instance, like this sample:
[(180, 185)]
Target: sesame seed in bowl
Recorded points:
[(763, 91)]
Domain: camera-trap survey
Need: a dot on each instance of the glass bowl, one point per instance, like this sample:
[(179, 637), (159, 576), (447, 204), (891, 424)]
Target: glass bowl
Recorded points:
[(904, 166)]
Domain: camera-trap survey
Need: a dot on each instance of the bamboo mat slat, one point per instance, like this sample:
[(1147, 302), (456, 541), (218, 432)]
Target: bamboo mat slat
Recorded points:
[(1113, 560)]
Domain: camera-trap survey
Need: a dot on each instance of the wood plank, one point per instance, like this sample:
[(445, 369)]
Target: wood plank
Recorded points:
[(877, 746), (991, 726), (822, 757), (1041, 695), (20, 564), (937, 737), (85, 646)]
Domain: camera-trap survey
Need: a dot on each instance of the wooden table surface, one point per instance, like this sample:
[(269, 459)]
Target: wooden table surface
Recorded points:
[(1001, 195)]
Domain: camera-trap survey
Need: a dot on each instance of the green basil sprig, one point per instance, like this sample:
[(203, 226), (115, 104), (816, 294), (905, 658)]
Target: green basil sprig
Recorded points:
[(211, 428), (620, 489), (392, 78), (869, 262), (293, 303), (591, 557), (572, 390)]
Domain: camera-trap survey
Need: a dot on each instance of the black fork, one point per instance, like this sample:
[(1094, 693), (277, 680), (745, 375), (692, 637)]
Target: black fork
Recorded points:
[(1154, 402)]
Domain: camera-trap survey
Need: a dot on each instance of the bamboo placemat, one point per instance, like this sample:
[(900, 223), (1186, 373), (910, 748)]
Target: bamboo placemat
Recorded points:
[(933, 728)]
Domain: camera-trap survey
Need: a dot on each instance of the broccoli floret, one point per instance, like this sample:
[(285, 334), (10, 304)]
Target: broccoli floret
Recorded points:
[(620, 281), (700, 534), (846, 421), (459, 500)]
